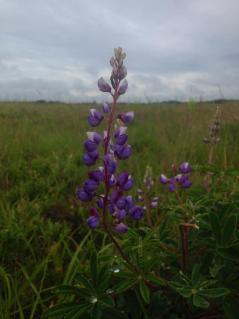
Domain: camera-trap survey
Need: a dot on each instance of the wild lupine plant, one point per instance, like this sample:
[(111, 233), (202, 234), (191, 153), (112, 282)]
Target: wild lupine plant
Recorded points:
[(103, 153), (158, 276)]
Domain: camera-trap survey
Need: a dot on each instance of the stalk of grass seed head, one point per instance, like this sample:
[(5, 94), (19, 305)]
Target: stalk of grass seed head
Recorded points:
[(212, 140)]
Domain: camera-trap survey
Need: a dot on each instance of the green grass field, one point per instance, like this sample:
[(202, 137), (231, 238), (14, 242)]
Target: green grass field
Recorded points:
[(42, 226)]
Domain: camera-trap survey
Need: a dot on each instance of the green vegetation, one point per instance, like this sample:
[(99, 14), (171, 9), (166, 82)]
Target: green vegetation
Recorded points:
[(44, 240)]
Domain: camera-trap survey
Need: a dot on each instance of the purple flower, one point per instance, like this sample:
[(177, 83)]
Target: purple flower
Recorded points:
[(93, 220), (90, 185), (97, 175), (88, 160), (106, 107), (122, 72), (115, 195), (172, 185), (100, 203), (103, 85), (110, 163), (125, 181), (83, 195), (123, 88), (121, 203), (136, 212), (94, 137), (112, 181), (164, 179), (90, 146), (126, 117), (120, 214), (154, 204), (185, 168), (129, 202), (186, 184), (123, 151), (121, 228), (95, 117), (120, 135)]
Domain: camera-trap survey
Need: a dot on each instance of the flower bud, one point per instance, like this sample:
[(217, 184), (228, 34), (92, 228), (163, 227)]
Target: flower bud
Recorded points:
[(103, 85), (123, 88), (106, 107)]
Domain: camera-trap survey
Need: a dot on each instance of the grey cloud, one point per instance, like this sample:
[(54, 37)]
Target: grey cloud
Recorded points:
[(174, 48)]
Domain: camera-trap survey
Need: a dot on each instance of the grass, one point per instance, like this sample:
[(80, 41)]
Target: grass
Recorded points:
[(42, 235)]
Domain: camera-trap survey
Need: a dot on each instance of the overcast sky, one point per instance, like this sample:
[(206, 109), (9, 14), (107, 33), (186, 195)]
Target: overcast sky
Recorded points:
[(176, 49)]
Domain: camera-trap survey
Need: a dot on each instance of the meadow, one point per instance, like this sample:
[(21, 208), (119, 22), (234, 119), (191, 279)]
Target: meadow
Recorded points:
[(44, 239)]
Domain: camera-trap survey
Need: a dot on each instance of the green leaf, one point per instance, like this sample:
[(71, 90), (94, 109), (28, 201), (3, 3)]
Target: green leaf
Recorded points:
[(214, 292), (229, 229), (200, 302), (125, 286), (196, 276), (77, 313), (108, 301), (155, 280), (59, 310), (185, 292), (85, 282), (144, 291)]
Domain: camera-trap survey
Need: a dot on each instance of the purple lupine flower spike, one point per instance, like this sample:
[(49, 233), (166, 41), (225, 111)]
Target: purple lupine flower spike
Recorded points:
[(103, 85)]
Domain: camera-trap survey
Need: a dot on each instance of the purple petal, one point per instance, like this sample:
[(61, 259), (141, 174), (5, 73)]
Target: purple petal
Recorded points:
[(83, 195), (123, 88), (88, 160), (123, 151), (120, 214), (106, 107), (164, 179), (90, 185), (93, 221), (90, 146), (121, 228), (185, 168), (97, 175), (126, 117), (136, 212), (94, 137)]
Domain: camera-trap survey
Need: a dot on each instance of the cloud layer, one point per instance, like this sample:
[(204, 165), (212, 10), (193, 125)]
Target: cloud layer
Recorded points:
[(175, 49)]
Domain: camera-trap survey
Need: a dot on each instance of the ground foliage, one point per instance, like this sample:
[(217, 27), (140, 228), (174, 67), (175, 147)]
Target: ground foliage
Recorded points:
[(52, 265)]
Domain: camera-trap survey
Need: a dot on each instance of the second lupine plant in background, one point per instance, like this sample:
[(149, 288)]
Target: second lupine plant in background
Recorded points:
[(106, 188)]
